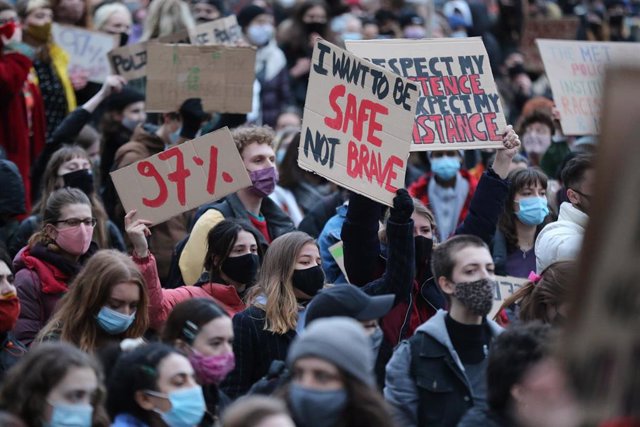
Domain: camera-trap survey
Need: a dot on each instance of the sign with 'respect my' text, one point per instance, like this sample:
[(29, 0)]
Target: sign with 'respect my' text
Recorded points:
[(87, 50), (459, 106), (182, 177), (575, 70), (357, 123)]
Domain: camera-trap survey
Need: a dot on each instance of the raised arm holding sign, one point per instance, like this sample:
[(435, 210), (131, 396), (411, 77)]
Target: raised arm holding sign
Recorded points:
[(357, 123)]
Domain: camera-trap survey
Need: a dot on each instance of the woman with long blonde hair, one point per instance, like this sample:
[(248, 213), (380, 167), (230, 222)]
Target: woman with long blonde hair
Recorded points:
[(107, 302), (289, 278), (167, 17)]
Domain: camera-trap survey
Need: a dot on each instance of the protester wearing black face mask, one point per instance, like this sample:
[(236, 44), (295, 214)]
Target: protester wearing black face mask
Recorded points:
[(230, 268), (309, 21), (70, 167)]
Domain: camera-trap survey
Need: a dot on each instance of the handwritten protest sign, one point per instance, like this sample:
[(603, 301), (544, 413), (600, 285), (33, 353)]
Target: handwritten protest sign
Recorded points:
[(87, 50), (459, 106), (182, 177), (221, 76), (221, 31), (183, 36), (601, 341), (130, 61), (575, 71), (357, 123), (558, 29), (506, 286)]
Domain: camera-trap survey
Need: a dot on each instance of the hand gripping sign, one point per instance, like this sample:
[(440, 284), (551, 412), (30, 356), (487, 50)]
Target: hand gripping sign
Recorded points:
[(182, 177), (357, 123)]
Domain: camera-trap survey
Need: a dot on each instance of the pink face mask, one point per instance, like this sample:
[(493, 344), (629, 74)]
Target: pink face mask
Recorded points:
[(212, 369), (75, 240)]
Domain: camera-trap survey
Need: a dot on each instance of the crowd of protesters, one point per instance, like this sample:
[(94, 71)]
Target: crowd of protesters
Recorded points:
[(236, 313)]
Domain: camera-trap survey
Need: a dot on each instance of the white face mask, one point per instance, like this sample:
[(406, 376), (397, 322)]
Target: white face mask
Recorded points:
[(260, 35)]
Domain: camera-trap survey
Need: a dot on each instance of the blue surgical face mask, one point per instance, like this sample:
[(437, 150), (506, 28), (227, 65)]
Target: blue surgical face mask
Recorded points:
[(533, 210), (187, 407), (315, 408), (113, 322), (65, 415), (445, 167), (175, 136), (260, 35), (351, 36)]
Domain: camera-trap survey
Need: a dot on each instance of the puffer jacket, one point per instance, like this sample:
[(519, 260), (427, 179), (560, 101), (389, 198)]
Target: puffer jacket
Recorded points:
[(41, 279), (162, 301), (561, 240)]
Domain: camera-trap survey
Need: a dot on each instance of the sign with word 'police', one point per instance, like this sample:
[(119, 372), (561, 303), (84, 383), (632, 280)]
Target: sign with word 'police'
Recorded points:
[(182, 177), (357, 123)]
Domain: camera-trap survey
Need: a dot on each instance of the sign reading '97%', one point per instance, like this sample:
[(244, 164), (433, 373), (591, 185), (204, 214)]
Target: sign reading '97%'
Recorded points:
[(357, 123), (182, 177)]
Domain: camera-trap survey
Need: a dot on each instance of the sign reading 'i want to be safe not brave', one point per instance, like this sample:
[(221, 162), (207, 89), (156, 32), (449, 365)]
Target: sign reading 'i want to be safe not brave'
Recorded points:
[(357, 123)]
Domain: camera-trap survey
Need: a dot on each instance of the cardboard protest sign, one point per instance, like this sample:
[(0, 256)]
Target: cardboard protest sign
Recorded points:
[(575, 71), (221, 76), (221, 31), (337, 252), (182, 177), (130, 61), (601, 341), (87, 50), (558, 29), (459, 106), (357, 123), (183, 36), (506, 286)]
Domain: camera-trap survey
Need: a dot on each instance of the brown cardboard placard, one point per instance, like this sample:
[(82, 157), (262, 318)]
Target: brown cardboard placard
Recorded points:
[(182, 37), (222, 76), (506, 286), (182, 177), (87, 50), (575, 70), (459, 106), (220, 31), (129, 61), (557, 29), (601, 341), (357, 123)]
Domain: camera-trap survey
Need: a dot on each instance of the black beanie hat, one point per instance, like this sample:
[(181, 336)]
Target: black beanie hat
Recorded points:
[(248, 13), (119, 101)]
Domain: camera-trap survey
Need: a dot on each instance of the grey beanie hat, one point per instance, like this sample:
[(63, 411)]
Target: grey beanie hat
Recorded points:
[(338, 340)]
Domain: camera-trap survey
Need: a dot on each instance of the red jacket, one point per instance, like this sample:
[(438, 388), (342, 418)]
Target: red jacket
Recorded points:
[(40, 285), (420, 190), (162, 301), (22, 123)]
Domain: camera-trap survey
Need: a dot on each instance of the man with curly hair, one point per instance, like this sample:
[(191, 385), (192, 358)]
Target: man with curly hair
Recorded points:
[(255, 144)]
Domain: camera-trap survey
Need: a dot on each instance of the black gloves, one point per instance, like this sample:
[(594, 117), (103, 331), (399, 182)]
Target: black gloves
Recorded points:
[(192, 116), (402, 207)]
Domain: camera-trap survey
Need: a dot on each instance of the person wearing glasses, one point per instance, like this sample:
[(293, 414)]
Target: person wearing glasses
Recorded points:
[(69, 166), (46, 266)]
